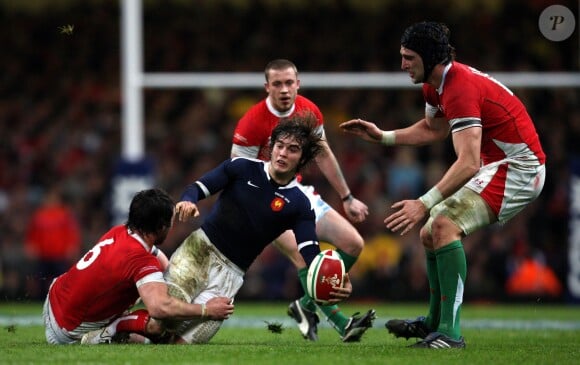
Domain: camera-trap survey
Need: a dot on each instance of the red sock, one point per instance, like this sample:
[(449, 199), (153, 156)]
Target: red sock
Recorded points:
[(134, 322)]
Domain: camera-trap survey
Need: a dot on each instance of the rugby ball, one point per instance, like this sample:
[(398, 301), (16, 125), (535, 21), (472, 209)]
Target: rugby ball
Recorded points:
[(325, 272)]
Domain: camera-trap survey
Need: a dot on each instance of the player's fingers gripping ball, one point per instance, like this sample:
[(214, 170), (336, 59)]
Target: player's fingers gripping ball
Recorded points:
[(325, 272)]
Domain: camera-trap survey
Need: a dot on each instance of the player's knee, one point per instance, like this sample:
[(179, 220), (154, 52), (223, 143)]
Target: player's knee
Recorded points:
[(426, 238), (443, 231), (353, 244)]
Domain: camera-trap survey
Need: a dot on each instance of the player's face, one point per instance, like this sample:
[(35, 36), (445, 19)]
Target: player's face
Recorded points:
[(282, 88), (412, 63), (286, 154)]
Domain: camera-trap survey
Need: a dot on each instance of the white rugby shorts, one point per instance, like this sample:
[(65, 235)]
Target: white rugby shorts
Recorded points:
[(505, 186), (197, 272)]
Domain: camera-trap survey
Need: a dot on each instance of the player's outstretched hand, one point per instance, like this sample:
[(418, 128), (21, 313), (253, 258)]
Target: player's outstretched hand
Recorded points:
[(219, 308), (356, 211), (341, 293), (185, 209), (408, 214), (363, 129)]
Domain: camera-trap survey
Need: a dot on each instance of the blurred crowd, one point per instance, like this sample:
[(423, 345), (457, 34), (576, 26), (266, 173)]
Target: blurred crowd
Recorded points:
[(60, 129)]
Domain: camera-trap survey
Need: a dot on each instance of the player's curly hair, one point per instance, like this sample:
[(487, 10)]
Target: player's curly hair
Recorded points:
[(303, 127), (150, 211)]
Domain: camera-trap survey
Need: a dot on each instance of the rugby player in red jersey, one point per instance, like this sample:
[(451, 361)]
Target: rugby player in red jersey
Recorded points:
[(499, 170), (88, 303)]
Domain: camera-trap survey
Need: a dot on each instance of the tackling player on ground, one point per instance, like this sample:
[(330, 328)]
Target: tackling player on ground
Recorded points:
[(258, 201), (499, 170), (88, 303), (251, 139)]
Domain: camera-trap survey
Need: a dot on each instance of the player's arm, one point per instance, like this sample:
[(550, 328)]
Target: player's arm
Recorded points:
[(424, 131), (210, 183), (286, 244), (161, 305), (304, 229), (467, 145), (355, 210)]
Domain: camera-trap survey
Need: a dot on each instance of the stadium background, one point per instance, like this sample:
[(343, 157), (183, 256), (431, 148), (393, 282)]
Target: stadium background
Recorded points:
[(60, 122)]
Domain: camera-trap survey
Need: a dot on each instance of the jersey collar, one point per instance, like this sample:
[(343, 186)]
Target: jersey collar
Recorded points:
[(447, 68), (139, 239), (291, 184), (278, 113)]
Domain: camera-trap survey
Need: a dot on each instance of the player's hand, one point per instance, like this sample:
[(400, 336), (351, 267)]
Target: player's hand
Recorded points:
[(355, 210), (363, 129), (408, 214), (186, 209), (341, 293), (219, 308)]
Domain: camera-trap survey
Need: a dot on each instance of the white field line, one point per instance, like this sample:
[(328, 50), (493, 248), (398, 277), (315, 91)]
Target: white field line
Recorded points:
[(255, 322)]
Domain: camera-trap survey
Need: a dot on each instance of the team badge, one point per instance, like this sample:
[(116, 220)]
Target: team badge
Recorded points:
[(277, 204), (330, 280)]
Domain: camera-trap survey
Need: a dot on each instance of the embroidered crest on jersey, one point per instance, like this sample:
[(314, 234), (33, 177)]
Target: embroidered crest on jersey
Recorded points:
[(277, 204)]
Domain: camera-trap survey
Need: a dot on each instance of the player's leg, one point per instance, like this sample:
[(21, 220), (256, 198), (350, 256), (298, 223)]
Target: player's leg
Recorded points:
[(118, 331), (433, 316), (498, 191), (421, 326), (452, 271), (302, 310), (54, 333), (446, 265), (222, 279), (336, 230), (458, 215)]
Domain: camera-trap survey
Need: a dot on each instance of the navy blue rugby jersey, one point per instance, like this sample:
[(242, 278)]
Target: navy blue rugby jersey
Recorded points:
[(252, 210)]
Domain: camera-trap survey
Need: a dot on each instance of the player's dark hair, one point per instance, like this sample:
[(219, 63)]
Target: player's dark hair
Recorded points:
[(431, 41), (303, 127), (150, 211), (279, 64)]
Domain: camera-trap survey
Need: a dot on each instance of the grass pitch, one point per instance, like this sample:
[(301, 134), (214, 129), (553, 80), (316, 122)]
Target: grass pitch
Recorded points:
[(518, 334)]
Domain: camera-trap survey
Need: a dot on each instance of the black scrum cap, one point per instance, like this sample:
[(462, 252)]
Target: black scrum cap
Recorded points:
[(431, 41)]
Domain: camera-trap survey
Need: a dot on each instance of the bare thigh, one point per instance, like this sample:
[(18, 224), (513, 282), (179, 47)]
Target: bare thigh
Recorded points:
[(338, 231)]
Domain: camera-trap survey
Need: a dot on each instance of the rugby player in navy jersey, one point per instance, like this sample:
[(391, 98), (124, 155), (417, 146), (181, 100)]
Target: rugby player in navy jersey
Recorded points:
[(259, 200), (252, 139)]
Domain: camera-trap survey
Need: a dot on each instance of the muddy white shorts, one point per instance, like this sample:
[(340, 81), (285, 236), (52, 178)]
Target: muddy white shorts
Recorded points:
[(197, 272), (505, 186)]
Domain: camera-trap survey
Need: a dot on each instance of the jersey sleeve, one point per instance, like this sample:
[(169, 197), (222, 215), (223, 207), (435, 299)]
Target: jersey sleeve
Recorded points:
[(305, 233), (156, 277), (144, 268), (251, 130), (215, 180)]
